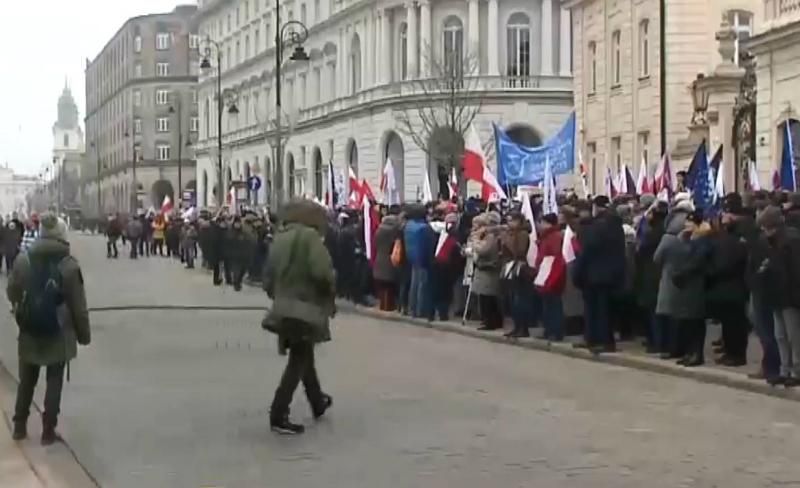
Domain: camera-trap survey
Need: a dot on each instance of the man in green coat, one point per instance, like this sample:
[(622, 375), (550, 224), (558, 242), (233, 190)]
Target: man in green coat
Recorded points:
[(52, 351), (299, 279)]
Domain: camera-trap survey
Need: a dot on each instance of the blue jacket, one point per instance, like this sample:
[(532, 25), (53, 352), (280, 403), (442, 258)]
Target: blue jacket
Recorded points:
[(417, 240)]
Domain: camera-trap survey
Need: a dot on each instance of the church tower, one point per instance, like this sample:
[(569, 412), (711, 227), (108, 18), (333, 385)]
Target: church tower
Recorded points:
[(67, 133)]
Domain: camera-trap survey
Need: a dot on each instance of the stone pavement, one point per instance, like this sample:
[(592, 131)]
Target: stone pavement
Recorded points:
[(170, 398)]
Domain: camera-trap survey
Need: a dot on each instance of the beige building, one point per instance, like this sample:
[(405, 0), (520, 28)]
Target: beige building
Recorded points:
[(617, 75), (776, 46)]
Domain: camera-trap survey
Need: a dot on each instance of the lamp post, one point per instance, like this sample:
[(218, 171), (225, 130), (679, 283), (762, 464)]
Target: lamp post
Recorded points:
[(205, 65), (292, 33), (700, 96), (179, 115), (134, 203)]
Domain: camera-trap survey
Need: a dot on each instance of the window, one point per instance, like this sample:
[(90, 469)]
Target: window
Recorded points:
[(194, 97), (137, 70), (257, 6), (316, 97), (229, 22), (137, 125), (453, 46), (518, 49), (238, 15), (355, 64), (137, 98), (403, 51), (256, 41), (616, 152), (644, 147), (303, 13), (66, 140), (162, 152), (592, 67), (247, 10), (615, 58), (162, 69), (194, 124), (591, 157), (194, 41), (162, 124), (162, 97), (268, 39), (247, 47), (162, 41), (137, 44), (316, 12), (644, 48), (238, 58), (742, 24)]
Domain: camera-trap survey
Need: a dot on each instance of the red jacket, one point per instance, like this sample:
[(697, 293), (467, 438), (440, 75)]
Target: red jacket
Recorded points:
[(549, 244)]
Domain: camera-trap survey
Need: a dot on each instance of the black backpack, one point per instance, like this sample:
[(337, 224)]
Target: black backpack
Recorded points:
[(37, 312)]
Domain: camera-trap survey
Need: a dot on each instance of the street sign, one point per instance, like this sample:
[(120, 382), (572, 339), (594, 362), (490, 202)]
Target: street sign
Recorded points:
[(254, 183)]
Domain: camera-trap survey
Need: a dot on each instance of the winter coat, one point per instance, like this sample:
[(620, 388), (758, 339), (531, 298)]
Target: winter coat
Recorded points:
[(678, 256), (726, 268), (158, 230), (114, 229), (388, 233), (299, 277), (73, 315), (601, 262), (485, 244), (648, 272), (238, 244), (134, 230), (514, 244), (780, 272), (10, 238), (417, 239)]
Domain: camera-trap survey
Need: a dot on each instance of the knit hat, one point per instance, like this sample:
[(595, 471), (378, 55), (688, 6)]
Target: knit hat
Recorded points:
[(770, 218), (601, 201), (50, 226), (551, 219)]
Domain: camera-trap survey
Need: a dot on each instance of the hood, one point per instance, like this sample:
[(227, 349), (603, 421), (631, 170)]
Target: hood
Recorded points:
[(307, 213), (47, 246), (675, 221)]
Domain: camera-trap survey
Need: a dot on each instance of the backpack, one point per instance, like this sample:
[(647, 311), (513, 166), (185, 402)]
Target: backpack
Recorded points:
[(37, 312)]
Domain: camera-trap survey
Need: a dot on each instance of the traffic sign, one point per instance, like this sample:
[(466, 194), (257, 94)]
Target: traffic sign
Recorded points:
[(254, 183)]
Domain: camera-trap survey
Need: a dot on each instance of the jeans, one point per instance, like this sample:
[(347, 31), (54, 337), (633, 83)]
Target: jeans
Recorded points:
[(521, 305), (418, 295), (596, 302), (28, 377), (553, 317), (300, 367), (111, 248), (787, 334), (134, 248), (765, 330)]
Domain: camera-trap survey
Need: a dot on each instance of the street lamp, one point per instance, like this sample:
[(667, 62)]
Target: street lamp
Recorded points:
[(205, 65), (700, 96), (134, 204), (292, 33), (179, 113)]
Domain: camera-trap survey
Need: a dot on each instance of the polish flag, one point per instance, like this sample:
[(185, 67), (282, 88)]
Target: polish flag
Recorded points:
[(453, 186), (752, 177), (475, 169), (776, 180), (611, 190), (371, 222), (663, 176), (388, 183), (166, 206), (643, 181), (366, 191), (533, 245), (427, 193), (584, 180), (232, 200), (444, 247), (570, 245)]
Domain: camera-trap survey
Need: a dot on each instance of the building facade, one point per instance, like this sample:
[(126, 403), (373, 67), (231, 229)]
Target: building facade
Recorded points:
[(371, 63), (68, 153), (777, 49), (141, 107), (617, 76), (15, 191)]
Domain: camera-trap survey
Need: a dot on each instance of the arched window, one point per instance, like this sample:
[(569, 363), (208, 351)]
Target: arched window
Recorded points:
[(518, 48), (355, 65), (290, 169), (319, 186), (403, 57), (453, 46)]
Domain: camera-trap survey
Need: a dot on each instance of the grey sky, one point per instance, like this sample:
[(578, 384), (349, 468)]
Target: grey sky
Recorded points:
[(41, 43)]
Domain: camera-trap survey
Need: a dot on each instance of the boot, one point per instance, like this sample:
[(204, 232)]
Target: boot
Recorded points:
[(282, 425), (319, 410), (50, 436), (20, 431)]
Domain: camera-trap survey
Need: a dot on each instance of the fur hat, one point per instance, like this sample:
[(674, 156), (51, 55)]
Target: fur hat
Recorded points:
[(50, 226)]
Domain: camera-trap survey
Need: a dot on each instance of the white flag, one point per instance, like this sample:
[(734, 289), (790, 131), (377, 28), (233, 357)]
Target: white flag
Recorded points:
[(752, 173), (533, 246), (549, 205), (427, 194)]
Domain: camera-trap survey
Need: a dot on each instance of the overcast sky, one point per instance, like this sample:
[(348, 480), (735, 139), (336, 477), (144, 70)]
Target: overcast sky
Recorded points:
[(41, 43)]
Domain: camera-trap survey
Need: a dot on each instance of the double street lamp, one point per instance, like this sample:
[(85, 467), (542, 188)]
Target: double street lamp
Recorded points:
[(179, 112)]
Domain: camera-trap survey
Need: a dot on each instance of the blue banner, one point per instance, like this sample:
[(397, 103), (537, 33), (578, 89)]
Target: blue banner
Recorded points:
[(522, 165)]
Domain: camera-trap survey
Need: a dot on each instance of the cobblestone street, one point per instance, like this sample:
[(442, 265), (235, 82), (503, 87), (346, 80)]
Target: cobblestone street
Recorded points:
[(171, 398)]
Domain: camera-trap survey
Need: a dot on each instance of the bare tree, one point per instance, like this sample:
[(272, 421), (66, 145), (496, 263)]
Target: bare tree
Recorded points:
[(445, 103)]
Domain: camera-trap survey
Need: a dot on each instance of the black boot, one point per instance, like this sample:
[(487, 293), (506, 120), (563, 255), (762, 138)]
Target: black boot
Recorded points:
[(282, 425), (20, 431), (50, 436), (319, 410)]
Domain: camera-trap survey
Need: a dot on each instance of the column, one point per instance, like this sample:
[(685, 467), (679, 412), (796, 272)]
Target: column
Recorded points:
[(411, 16), (473, 29), (425, 48), (386, 44), (565, 45), (547, 37), (493, 53)]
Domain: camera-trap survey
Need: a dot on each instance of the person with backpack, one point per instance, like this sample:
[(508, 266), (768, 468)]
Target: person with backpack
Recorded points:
[(47, 295)]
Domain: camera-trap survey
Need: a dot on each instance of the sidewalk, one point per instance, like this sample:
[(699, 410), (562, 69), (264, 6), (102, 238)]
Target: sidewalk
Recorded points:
[(15, 469), (630, 354)]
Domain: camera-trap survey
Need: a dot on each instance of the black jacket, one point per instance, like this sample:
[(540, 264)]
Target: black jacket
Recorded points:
[(601, 262), (780, 273), (726, 268)]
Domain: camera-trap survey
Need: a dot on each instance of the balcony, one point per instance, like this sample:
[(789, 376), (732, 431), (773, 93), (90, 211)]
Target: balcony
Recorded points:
[(480, 88), (780, 13)]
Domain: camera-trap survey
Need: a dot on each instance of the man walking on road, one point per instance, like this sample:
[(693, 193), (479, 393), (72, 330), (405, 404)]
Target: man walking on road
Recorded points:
[(46, 291), (299, 278)]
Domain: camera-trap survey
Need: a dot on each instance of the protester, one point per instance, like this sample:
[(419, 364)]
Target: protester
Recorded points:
[(11, 239), (113, 233), (48, 331), (159, 232), (517, 273), (385, 271), (550, 247), (134, 232), (484, 246), (31, 232)]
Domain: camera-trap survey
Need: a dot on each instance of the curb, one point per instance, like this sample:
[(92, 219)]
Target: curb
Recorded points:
[(702, 374)]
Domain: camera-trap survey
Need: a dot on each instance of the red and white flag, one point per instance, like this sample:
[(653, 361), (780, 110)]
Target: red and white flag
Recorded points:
[(389, 184), (663, 176), (365, 191), (475, 168), (427, 193), (584, 180), (166, 206), (643, 181), (776, 180), (752, 177), (533, 245), (366, 207), (444, 247), (452, 187), (611, 189), (570, 245)]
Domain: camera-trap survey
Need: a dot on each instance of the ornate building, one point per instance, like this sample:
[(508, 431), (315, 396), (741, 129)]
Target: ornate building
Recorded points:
[(68, 152), (378, 73)]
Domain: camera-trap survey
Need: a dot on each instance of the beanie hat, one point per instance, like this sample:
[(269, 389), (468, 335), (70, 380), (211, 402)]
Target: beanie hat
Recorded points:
[(601, 201), (551, 219), (770, 218), (51, 226)]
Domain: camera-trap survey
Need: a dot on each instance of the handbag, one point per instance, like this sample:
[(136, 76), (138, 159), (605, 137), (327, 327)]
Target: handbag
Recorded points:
[(397, 253), (511, 270)]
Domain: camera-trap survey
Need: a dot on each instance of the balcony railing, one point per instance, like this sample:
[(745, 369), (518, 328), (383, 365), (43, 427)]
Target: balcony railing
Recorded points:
[(788, 7), (482, 86)]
